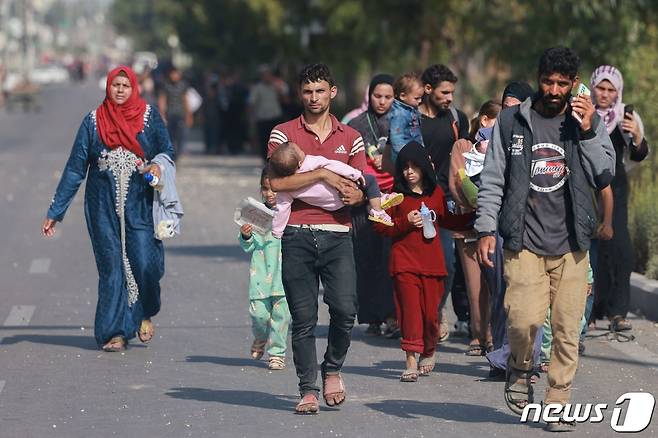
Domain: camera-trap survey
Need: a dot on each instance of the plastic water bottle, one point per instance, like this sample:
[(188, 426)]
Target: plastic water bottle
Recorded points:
[(152, 180), (429, 217)]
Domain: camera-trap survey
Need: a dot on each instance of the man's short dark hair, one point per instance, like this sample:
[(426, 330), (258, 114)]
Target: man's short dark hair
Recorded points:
[(437, 73), (315, 73), (560, 60)]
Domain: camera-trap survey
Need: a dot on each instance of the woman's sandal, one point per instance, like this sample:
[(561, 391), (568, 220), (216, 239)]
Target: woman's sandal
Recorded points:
[(475, 349), (308, 405), (426, 364), (257, 349), (332, 386), (115, 345), (276, 363), (146, 331), (518, 390), (409, 375), (620, 324)]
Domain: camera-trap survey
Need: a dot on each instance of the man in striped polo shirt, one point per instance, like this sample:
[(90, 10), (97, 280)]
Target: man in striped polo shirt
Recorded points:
[(317, 244)]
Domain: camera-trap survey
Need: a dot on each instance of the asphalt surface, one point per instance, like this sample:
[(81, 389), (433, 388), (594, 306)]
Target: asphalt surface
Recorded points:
[(196, 378)]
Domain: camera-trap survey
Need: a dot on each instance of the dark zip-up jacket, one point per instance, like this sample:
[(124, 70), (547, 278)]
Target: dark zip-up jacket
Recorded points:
[(505, 180)]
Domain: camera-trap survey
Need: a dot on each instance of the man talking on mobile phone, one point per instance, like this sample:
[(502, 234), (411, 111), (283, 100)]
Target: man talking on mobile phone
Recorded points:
[(540, 169)]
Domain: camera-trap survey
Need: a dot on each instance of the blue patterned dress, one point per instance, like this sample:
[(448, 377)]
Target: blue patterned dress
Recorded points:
[(119, 214)]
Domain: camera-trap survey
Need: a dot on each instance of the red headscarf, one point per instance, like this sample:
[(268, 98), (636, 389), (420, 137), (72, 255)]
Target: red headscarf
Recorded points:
[(118, 125)]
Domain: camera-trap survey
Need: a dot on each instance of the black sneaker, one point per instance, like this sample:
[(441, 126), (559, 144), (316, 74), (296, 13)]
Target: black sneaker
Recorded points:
[(374, 329), (561, 426), (394, 333), (581, 347)]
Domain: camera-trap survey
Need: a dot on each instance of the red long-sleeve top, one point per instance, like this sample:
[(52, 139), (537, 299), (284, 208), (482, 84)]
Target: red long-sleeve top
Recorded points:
[(411, 252)]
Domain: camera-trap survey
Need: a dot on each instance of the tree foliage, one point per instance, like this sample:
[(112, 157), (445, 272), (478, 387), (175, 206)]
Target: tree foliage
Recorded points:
[(485, 43)]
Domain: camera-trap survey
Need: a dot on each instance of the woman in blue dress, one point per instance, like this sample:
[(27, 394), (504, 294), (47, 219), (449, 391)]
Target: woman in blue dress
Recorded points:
[(112, 144)]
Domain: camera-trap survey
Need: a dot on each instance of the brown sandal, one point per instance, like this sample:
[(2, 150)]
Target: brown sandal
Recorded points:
[(257, 349), (475, 349), (146, 331), (115, 345), (308, 405), (332, 386)]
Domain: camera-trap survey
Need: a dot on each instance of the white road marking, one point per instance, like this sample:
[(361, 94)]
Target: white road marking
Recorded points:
[(20, 315), (40, 266), (2, 385)]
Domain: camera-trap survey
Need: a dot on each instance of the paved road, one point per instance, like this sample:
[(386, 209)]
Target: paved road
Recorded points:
[(195, 379)]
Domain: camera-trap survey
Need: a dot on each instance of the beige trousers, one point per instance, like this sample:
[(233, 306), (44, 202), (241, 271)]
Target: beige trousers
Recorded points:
[(534, 283)]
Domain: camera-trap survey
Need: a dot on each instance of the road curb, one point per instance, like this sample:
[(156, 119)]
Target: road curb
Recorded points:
[(644, 296)]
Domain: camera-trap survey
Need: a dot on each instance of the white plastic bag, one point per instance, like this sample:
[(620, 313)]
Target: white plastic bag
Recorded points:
[(194, 99), (254, 213)]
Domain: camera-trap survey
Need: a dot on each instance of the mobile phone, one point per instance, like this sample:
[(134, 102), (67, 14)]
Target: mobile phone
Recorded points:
[(628, 112), (581, 90)]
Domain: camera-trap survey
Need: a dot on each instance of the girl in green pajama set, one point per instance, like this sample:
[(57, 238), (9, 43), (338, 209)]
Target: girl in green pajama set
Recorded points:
[(547, 337), (268, 307)]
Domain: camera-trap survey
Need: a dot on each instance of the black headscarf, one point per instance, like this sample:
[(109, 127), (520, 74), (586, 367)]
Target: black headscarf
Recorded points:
[(371, 125), (417, 154), (520, 90), (381, 78)]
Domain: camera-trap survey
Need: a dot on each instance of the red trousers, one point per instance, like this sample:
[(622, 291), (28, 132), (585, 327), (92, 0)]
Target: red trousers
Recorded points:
[(417, 299)]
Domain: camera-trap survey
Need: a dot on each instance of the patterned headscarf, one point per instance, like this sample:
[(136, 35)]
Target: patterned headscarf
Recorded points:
[(614, 114)]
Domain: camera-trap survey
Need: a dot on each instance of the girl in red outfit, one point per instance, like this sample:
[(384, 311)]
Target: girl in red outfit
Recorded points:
[(416, 264)]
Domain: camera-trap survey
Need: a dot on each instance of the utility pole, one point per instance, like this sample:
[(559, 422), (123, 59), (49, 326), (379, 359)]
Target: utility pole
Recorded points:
[(24, 41)]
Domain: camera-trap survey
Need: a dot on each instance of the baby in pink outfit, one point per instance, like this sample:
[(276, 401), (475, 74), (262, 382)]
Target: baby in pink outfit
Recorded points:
[(288, 159)]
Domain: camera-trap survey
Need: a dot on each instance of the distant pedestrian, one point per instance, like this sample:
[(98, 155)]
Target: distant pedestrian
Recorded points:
[(268, 307), (265, 107), (172, 104)]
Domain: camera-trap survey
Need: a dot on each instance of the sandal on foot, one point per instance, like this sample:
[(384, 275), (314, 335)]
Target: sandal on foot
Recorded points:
[(257, 349), (333, 386), (276, 363), (620, 324), (409, 375), (308, 405), (391, 200), (428, 363), (518, 390), (114, 345), (475, 349), (146, 331), (380, 216)]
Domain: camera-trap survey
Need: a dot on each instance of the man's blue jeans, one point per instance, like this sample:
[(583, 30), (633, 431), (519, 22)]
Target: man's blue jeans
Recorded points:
[(310, 256)]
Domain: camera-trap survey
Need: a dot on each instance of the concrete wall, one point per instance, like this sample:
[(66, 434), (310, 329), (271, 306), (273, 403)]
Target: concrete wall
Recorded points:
[(644, 296)]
